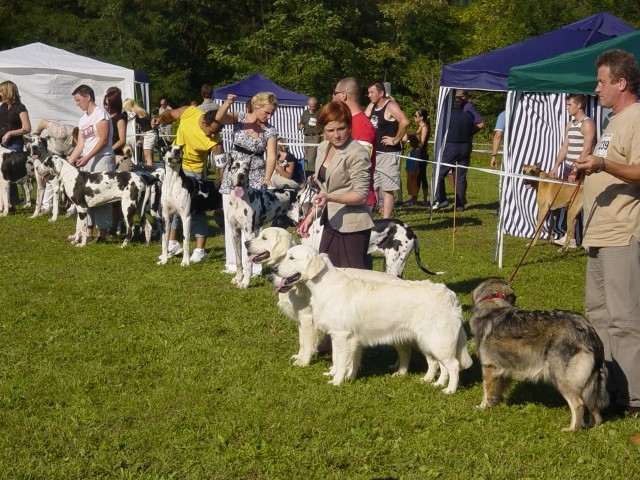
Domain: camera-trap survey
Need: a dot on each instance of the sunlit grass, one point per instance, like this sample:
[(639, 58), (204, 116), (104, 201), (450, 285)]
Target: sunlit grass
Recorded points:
[(114, 367)]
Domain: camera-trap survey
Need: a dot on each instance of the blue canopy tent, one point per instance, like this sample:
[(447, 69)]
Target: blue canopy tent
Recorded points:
[(489, 71), (290, 108)]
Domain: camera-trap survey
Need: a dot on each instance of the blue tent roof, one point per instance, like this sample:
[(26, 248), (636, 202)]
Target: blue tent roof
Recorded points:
[(249, 86), (489, 71)]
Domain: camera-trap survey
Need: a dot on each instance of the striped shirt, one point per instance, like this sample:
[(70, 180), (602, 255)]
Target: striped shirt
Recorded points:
[(576, 142)]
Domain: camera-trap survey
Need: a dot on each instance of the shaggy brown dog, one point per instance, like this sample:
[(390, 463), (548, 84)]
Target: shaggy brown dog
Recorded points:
[(559, 347)]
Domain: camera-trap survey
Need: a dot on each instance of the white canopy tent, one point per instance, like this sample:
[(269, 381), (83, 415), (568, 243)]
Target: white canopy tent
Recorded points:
[(46, 76)]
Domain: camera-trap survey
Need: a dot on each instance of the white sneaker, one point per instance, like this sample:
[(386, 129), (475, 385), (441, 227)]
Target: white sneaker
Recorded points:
[(560, 241), (174, 249), (198, 255)]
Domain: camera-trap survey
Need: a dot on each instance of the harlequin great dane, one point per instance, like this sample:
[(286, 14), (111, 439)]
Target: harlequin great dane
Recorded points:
[(15, 167), (393, 238), (90, 189), (249, 210), (184, 196), (38, 149)]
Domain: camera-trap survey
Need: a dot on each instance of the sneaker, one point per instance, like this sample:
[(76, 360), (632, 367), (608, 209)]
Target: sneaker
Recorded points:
[(439, 205), (560, 241), (459, 209), (198, 255), (174, 249)]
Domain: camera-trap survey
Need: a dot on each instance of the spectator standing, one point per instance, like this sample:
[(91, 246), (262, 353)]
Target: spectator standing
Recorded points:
[(498, 132), (165, 130), (424, 131), (144, 127), (94, 152), (478, 121), (457, 151), (412, 169), (112, 103), (207, 99), (198, 133), (612, 230), (14, 123), (309, 125), (579, 137), (391, 125), (348, 91)]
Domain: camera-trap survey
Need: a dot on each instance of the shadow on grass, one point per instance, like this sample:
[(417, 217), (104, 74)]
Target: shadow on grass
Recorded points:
[(377, 361)]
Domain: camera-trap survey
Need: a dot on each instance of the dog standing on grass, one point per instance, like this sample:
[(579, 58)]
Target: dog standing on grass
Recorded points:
[(15, 167), (182, 195), (559, 347), (90, 189), (553, 196), (359, 312)]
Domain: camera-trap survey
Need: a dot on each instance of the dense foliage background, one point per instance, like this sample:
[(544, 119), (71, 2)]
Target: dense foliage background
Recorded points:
[(303, 45)]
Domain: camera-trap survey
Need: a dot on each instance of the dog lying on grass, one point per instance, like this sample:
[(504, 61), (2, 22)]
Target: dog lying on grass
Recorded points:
[(553, 196), (558, 347), (361, 312)]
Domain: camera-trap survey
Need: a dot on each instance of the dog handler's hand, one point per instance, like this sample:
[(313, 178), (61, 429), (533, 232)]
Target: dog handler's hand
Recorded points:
[(303, 227), (320, 200), (231, 97), (589, 164)]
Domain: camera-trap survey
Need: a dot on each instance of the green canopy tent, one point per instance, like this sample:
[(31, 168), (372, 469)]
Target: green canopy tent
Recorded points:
[(535, 124), (571, 72)]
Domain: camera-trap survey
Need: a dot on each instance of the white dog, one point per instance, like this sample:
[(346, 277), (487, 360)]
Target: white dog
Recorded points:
[(360, 312), (269, 248), (183, 196)]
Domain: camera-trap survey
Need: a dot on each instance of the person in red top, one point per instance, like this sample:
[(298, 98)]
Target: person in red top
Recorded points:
[(348, 91)]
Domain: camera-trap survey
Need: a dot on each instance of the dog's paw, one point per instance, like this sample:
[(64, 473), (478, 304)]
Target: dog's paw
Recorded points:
[(162, 261), (300, 361), (184, 263), (449, 391)]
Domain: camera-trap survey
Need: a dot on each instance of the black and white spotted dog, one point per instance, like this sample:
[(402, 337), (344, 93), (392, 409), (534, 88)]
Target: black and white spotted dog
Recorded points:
[(38, 149), (249, 210), (394, 239), (91, 189), (184, 196), (15, 167)]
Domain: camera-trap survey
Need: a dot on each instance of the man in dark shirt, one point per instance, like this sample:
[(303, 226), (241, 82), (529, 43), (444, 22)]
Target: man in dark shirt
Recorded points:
[(457, 151)]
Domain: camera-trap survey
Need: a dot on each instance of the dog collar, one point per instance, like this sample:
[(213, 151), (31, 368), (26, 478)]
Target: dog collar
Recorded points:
[(492, 296)]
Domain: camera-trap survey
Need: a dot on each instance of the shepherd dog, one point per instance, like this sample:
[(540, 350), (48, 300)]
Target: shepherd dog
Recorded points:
[(559, 347)]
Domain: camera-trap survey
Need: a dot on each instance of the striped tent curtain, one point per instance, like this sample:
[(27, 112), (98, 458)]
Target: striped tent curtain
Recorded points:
[(535, 126), (285, 119), (445, 101)]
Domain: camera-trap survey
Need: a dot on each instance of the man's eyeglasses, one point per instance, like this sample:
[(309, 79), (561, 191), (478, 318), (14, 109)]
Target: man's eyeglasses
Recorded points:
[(335, 92)]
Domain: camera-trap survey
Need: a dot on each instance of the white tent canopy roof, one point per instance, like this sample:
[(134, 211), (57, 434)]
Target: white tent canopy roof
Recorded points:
[(46, 76)]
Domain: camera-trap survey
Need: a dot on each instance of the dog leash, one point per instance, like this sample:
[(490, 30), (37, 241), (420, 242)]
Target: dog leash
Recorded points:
[(535, 235)]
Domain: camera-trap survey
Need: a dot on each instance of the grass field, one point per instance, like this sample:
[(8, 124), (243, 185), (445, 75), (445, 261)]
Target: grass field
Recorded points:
[(113, 367)]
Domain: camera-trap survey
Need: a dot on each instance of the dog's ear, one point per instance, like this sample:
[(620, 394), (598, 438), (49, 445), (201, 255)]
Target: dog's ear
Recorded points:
[(315, 266), (538, 165)]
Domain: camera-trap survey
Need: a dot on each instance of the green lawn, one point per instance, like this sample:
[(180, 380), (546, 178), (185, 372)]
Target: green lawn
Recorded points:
[(114, 367)]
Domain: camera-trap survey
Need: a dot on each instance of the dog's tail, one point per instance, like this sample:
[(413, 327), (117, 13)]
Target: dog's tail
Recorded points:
[(594, 394), (462, 352), (416, 251)]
